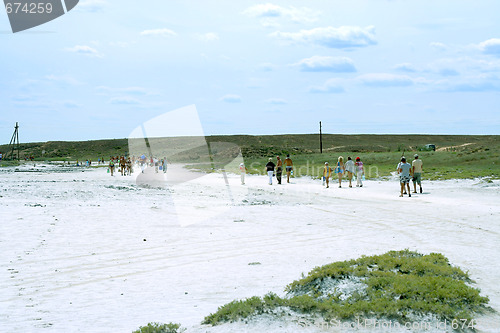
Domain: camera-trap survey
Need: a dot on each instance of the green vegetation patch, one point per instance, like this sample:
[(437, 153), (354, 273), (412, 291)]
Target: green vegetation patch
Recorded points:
[(456, 157), (398, 285), (160, 328)]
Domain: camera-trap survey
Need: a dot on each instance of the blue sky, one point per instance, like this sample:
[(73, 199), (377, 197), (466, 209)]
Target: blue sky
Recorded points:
[(250, 67)]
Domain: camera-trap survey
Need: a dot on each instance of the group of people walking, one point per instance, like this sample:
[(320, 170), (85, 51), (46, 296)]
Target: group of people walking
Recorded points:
[(270, 168), (350, 169), (126, 164), (409, 172)]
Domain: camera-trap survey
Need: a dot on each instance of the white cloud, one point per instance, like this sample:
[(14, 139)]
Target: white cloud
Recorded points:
[(85, 50), (405, 67), (265, 10), (326, 64), (257, 82), (332, 86), (138, 91), (439, 45), (472, 87), (269, 22), (491, 46), (71, 105), (120, 44), (229, 98), (63, 79), (277, 101), (269, 13), (24, 98), (208, 37), (477, 83), (448, 72), (487, 66), (266, 67), (342, 37), (159, 32), (385, 80), (125, 100), (91, 5)]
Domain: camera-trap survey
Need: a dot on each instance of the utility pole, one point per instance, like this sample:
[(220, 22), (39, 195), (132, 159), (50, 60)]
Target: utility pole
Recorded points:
[(14, 143), (320, 139)]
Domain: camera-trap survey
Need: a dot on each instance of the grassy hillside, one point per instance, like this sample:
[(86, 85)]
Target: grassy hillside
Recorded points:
[(456, 156), (72, 150)]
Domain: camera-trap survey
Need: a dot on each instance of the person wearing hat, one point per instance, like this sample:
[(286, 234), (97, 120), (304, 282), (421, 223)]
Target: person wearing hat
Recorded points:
[(360, 170), (270, 170), (327, 172), (417, 169), (243, 171)]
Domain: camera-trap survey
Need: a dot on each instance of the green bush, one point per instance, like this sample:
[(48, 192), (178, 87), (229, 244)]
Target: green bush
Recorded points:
[(160, 328), (395, 285)]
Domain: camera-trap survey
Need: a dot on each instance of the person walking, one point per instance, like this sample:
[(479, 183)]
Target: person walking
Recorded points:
[(417, 168), (360, 171), (243, 171), (339, 170), (270, 170), (164, 165), (143, 163), (279, 169), (350, 169), (111, 167), (123, 165), (129, 167), (404, 176), (289, 167), (156, 163), (327, 172)]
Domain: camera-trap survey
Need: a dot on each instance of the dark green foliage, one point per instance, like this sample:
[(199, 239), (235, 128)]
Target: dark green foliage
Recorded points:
[(395, 285), (159, 328)]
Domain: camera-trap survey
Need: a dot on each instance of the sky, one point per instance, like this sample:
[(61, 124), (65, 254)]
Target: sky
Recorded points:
[(251, 67)]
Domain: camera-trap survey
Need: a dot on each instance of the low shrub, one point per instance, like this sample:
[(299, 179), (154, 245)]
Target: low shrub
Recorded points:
[(160, 328), (398, 285)]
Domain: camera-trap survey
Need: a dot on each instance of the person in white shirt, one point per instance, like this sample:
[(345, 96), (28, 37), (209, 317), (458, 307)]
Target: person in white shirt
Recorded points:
[(350, 168), (404, 170), (243, 171), (417, 169)]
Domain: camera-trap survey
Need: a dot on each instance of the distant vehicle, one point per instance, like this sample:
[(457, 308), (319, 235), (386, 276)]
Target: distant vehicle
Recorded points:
[(430, 147)]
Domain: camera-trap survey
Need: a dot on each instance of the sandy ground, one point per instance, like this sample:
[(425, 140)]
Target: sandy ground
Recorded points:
[(81, 251)]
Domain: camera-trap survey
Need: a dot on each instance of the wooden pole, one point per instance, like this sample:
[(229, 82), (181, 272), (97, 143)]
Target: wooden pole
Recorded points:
[(14, 143), (17, 139), (320, 139)]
